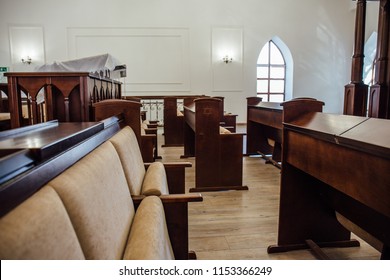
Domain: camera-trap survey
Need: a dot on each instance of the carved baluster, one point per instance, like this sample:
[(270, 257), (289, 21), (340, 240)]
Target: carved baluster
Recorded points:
[(101, 91), (66, 104), (14, 101), (49, 100), (29, 112), (34, 109)]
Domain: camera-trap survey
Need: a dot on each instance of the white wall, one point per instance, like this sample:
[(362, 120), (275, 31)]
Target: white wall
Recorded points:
[(174, 43)]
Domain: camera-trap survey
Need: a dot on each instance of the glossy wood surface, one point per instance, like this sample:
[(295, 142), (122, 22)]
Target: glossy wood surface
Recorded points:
[(238, 225), (17, 189), (46, 141), (334, 163)]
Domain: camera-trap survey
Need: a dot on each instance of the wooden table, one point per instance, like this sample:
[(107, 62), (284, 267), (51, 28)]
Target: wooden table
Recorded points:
[(335, 169), (264, 127)]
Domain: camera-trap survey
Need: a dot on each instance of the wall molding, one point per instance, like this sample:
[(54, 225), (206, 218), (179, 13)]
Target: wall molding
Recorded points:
[(157, 59)]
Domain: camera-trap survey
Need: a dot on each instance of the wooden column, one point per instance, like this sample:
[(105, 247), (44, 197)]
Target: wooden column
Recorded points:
[(355, 94), (379, 103), (14, 103)]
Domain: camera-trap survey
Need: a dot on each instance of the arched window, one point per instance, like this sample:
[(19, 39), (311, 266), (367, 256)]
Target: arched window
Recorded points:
[(271, 74)]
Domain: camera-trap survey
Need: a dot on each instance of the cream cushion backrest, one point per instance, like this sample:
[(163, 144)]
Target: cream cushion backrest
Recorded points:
[(39, 228), (149, 227), (155, 180), (150, 182), (126, 145), (97, 198)]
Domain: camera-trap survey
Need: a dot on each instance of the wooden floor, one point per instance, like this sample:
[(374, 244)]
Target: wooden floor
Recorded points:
[(241, 225)]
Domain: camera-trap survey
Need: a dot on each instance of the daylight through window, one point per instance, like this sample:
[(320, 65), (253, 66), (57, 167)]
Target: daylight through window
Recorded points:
[(271, 73)]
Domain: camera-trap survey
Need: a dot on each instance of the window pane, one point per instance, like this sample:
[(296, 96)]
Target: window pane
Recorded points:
[(262, 86), (276, 55), (263, 57), (264, 96), (262, 72), (276, 97), (368, 78), (277, 72), (277, 86)]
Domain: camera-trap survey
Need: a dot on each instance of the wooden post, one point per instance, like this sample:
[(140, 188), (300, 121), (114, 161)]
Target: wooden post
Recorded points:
[(379, 104), (355, 94)]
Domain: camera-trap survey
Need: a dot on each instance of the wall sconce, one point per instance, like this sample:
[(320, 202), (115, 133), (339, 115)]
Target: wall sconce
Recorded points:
[(227, 59), (26, 60)]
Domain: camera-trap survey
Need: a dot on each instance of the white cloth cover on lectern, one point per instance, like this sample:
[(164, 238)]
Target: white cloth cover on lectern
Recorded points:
[(104, 65)]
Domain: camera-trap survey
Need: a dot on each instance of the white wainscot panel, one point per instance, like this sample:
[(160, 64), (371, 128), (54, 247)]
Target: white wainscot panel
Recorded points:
[(156, 58), (27, 43)]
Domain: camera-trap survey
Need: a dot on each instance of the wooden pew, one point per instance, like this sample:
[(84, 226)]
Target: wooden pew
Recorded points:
[(173, 123), (131, 117), (264, 130), (58, 146), (335, 179), (174, 119), (218, 156), (228, 120), (148, 127)]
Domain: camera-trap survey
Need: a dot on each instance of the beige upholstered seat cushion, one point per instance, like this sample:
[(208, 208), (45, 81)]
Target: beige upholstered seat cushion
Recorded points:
[(126, 145), (149, 239), (179, 113), (144, 124), (223, 130), (155, 181), (39, 228), (97, 198), (5, 116)]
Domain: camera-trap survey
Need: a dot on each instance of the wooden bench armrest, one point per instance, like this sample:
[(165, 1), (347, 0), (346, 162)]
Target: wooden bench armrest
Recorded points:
[(167, 165), (179, 164), (149, 137), (152, 126), (171, 198), (234, 134), (149, 131), (181, 198), (137, 200)]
